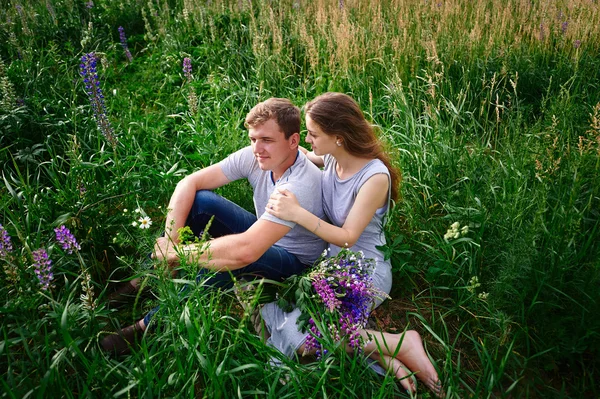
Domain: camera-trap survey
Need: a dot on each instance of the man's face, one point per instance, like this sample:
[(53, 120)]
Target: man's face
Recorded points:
[(270, 147)]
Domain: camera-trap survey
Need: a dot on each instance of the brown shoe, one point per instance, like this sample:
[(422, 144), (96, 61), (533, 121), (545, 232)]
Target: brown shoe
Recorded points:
[(123, 292), (120, 343)]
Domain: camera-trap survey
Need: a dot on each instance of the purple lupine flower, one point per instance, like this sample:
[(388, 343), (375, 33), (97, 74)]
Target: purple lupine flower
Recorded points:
[(5, 243), (327, 294), (577, 43), (542, 33), (89, 4), (66, 240), (564, 26), (19, 9), (124, 44), (187, 68), (82, 189), (92, 88), (341, 4), (42, 266), (343, 285)]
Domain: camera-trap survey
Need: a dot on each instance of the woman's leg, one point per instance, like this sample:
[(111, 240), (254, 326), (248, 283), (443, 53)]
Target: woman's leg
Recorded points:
[(406, 348)]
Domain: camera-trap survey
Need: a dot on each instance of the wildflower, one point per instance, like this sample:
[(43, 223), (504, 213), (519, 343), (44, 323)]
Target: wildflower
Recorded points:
[(89, 4), (187, 68), (82, 189), (483, 296), (192, 100), (92, 88), (145, 222), (134, 223), (473, 284), (563, 27), (51, 10), (42, 266), (343, 288), (138, 210), (124, 44), (455, 231), (5, 243), (66, 240), (87, 298), (125, 210), (577, 44)]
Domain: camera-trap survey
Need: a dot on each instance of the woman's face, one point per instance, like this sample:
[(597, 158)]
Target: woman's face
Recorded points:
[(321, 143)]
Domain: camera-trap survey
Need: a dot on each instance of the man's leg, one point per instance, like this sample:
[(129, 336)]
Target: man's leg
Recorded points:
[(275, 264), (229, 218)]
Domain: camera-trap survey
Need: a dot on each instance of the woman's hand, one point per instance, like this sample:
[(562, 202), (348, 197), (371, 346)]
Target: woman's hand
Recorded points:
[(284, 205)]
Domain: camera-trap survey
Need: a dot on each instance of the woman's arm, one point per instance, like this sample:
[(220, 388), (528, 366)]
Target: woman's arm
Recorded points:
[(372, 195), (316, 159)]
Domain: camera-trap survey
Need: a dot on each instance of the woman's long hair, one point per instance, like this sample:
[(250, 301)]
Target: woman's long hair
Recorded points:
[(339, 115)]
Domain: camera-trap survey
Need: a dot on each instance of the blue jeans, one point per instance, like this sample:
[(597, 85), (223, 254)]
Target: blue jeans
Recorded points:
[(229, 218)]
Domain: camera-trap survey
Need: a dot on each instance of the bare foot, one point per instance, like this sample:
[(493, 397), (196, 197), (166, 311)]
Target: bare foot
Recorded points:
[(399, 370), (417, 360), (407, 348)]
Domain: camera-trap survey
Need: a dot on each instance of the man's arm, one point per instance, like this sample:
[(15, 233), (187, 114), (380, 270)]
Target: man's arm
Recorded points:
[(183, 197), (229, 252)]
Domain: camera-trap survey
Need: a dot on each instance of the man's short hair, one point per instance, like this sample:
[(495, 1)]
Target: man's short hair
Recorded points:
[(286, 114)]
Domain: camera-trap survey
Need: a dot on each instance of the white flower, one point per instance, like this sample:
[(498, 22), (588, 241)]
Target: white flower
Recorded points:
[(114, 92), (138, 210), (134, 223), (455, 226), (464, 230), (125, 210), (483, 296), (145, 222)]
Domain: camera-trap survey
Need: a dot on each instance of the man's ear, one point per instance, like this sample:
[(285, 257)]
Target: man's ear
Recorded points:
[(294, 140)]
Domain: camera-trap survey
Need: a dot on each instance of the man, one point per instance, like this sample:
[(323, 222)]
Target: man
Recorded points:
[(244, 244)]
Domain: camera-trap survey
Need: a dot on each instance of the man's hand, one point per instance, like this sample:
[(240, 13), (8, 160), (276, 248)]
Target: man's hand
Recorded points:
[(164, 250)]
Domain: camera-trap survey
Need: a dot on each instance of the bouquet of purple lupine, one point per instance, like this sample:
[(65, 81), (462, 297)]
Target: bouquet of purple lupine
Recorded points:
[(336, 297)]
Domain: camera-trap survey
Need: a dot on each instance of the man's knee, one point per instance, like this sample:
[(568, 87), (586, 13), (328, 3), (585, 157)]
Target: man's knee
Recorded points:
[(205, 201)]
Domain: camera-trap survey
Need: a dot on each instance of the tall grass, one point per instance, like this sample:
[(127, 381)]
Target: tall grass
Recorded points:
[(492, 112)]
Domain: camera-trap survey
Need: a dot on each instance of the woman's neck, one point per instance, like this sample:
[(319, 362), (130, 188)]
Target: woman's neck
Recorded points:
[(348, 165)]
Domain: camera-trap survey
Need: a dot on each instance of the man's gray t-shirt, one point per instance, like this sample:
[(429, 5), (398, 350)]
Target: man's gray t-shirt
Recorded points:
[(303, 178)]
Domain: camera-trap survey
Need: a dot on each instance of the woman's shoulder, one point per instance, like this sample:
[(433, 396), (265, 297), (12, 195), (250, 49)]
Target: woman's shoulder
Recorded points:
[(374, 166)]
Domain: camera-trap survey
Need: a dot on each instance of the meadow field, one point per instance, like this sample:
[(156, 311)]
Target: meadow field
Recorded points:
[(491, 109)]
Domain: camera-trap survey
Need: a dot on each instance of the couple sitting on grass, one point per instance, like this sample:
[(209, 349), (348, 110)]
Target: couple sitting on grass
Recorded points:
[(300, 210)]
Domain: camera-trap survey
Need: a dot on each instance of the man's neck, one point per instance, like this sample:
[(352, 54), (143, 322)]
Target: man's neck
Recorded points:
[(277, 173)]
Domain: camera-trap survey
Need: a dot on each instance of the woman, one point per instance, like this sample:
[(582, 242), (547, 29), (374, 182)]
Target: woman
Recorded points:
[(358, 184)]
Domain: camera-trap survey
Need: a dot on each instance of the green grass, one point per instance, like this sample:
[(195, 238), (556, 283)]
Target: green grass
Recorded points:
[(491, 112)]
